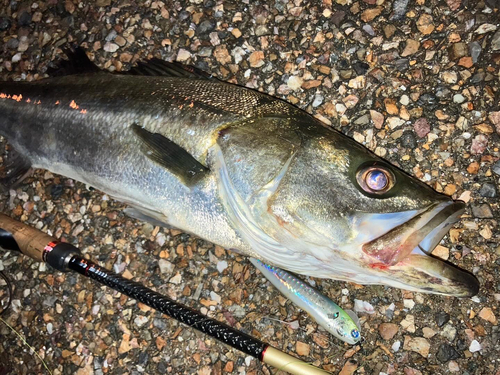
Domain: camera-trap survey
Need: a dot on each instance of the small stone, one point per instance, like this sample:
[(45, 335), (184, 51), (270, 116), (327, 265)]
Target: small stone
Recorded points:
[(486, 28), (378, 120), (425, 24), (475, 346), (388, 330), (475, 51), (482, 211), (205, 27), (479, 144), (103, 3), (302, 348), (215, 297), (295, 82), (391, 107), (140, 320), (370, 14), (495, 41), (439, 251), (24, 19), (450, 77), (121, 41), (411, 47), (453, 366), (449, 332), (4, 23), (496, 168), (111, 47), (419, 345), (394, 122), (166, 266), (473, 167), (457, 50), (488, 190), (408, 139), (182, 54), (458, 98), (409, 323), (422, 127), (446, 352), (441, 318), (256, 59), (487, 314), (222, 55), (221, 265), (466, 62), (177, 279), (494, 117), (428, 332), (454, 4), (395, 347)]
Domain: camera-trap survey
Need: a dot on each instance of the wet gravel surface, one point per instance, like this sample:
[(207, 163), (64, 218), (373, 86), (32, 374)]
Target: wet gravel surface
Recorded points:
[(417, 82)]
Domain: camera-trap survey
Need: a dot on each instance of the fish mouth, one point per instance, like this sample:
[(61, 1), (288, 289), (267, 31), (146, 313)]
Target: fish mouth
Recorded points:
[(403, 253)]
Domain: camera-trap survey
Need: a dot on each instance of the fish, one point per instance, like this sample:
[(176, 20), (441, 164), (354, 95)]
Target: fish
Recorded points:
[(344, 325), (234, 166)]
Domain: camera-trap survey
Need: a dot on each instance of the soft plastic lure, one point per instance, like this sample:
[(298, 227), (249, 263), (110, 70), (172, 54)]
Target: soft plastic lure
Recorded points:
[(342, 324)]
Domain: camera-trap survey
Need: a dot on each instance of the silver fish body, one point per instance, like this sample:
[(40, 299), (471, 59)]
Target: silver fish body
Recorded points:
[(240, 169), (322, 309)]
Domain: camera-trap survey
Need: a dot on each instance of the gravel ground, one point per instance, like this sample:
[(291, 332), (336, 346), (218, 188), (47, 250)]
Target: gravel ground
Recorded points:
[(417, 82)]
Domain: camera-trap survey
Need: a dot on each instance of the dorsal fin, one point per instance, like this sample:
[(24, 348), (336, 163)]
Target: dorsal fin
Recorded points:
[(77, 63), (355, 318), (157, 67), (171, 156)]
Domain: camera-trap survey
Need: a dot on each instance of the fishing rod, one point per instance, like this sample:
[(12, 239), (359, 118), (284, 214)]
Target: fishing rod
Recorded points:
[(65, 257)]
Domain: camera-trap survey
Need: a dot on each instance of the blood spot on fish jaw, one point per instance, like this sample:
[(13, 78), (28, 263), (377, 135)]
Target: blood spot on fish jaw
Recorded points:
[(379, 266)]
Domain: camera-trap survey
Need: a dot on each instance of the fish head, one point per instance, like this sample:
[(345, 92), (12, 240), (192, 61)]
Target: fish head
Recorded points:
[(315, 202), (358, 218)]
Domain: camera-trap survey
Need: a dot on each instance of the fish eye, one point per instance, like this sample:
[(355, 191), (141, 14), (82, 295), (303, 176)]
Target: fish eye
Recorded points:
[(375, 179), (355, 334)]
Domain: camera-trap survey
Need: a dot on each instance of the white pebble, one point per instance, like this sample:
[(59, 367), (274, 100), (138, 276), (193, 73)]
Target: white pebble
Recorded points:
[(458, 98), (140, 320), (221, 266), (475, 346), (165, 266), (396, 346), (50, 328), (215, 297), (363, 307), (409, 303)]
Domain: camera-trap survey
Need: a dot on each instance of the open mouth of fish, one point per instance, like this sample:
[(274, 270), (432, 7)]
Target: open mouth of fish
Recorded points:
[(405, 253)]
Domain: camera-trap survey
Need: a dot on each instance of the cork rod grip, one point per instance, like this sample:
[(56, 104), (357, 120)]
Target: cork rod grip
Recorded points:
[(31, 241)]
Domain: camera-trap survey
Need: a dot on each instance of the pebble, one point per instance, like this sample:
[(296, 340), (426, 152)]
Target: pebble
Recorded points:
[(295, 82), (475, 346), (182, 55), (419, 345), (422, 127), (487, 314), (479, 144), (140, 320), (302, 349), (482, 211), (449, 332), (425, 24), (458, 98), (428, 332), (457, 50), (408, 323), (378, 121), (475, 51), (446, 352), (165, 266), (494, 117), (441, 318), (395, 347), (388, 330), (4, 23), (399, 9), (363, 307), (411, 47), (495, 41), (221, 265), (24, 19), (488, 190), (111, 47)]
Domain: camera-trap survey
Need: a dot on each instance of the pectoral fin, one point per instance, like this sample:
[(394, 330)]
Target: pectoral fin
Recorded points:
[(14, 169), (171, 156)]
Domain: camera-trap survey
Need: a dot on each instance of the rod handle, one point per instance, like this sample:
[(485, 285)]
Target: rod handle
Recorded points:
[(288, 363), (31, 241)]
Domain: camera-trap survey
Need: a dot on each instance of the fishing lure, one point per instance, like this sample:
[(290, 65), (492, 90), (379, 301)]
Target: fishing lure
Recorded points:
[(342, 324)]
